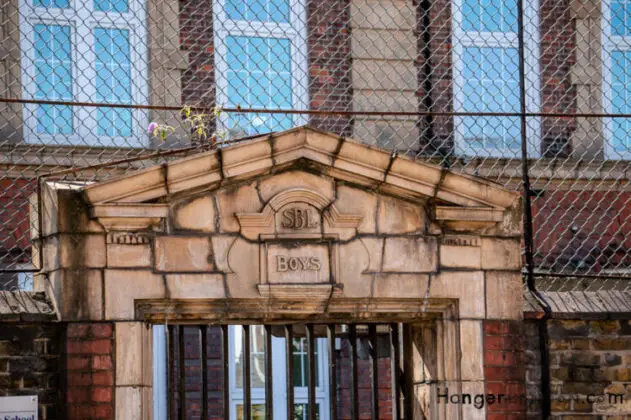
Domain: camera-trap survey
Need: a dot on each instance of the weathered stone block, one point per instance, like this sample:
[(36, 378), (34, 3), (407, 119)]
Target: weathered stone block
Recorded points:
[(394, 134), (415, 254), (354, 260), (82, 251), (233, 200), (504, 295), (471, 350), (501, 254), (383, 45), (129, 403), (359, 202), (393, 101), (195, 286), (182, 254), (122, 287), (128, 255), (197, 214), (243, 260), (400, 285), (460, 256), (269, 187), (80, 294), (397, 216), (383, 14), (132, 354), (467, 287), (386, 75)]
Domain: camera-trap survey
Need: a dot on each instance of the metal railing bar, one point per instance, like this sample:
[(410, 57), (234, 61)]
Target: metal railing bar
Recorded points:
[(269, 384), (181, 373), (247, 392), (330, 332), (311, 373), (325, 112), (352, 338), (203, 330), (407, 372), (374, 372), (395, 367), (289, 362), (226, 372), (169, 332)]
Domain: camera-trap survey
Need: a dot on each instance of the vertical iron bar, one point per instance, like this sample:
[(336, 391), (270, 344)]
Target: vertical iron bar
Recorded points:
[(269, 384), (247, 396), (289, 355), (169, 332), (395, 368), (182, 374), (407, 372), (527, 220), (330, 332), (226, 376), (204, 347), (374, 373), (427, 134), (352, 338), (311, 374)]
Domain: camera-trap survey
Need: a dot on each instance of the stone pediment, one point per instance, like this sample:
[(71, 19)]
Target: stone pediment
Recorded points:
[(298, 216), (128, 202)]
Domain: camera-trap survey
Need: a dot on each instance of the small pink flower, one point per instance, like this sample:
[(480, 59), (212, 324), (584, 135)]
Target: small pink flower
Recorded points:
[(152, 127)]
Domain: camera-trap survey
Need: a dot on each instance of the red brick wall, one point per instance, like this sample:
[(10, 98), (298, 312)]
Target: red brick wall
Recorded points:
[(504, 369), (15, 237), (196, 37), (557, 52), (90, 371), (330, 63), (603, 228), (364, 381)]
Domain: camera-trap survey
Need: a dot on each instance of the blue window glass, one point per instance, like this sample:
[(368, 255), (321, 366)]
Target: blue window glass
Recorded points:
[(259, 76), (258, 10), (489, 15), (119, 6), (53, 78), (621, 99), (620, 17), (491, 84), (61, 4), (113, 80)]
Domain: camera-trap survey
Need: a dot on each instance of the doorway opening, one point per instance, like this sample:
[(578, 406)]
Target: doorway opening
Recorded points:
[(298, 371)]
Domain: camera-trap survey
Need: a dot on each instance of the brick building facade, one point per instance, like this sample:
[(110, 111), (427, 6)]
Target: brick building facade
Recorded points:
[(368, 56)]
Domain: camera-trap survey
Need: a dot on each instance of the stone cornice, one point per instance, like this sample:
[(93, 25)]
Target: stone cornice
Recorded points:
[(341, 158)]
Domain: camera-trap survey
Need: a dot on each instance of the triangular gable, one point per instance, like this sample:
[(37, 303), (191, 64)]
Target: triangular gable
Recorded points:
[(341, 158)]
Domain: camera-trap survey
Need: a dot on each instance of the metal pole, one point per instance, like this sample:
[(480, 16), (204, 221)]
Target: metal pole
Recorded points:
[(528, 230)]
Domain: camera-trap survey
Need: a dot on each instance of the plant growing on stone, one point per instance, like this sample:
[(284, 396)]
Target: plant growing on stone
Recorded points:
[(197, 122)]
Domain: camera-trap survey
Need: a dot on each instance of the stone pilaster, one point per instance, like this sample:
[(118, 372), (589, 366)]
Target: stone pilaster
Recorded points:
[(586, 76), (134, 367), (166, 63), (383, 49)]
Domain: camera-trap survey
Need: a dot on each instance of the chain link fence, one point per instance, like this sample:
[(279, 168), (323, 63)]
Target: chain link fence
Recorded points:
[(459, 83)]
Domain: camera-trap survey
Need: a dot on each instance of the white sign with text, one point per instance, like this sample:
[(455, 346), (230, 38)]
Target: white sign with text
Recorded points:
[(18, 408)]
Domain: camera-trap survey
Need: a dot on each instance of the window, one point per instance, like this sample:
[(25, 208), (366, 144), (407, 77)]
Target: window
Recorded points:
[(84, 51), (257, 374), (486, 76), (261, 62), (617, 77)]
